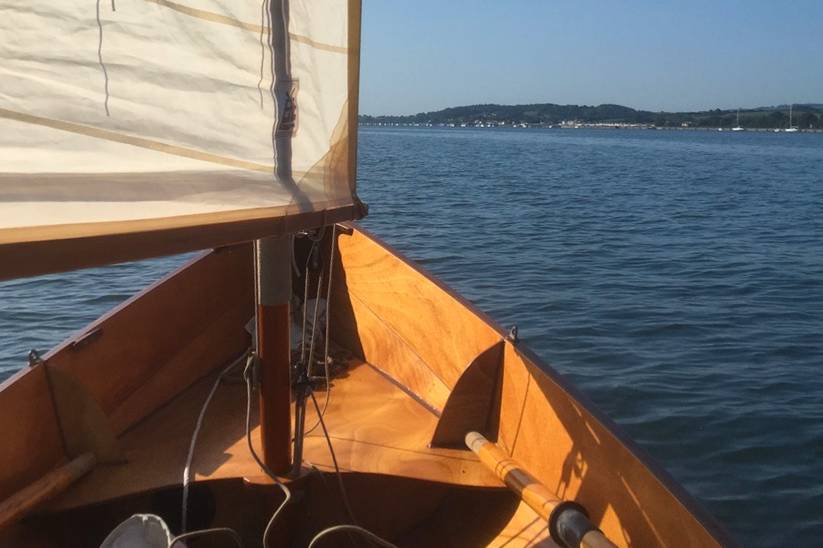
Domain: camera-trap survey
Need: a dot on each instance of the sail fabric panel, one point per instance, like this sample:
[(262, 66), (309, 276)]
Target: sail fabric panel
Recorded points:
[(131, 113)]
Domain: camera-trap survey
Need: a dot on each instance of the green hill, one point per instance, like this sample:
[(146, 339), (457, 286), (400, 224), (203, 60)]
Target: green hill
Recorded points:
[(542, 114)]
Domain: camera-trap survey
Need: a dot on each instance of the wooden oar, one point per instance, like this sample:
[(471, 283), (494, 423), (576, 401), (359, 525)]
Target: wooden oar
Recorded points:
[(53, 483), (569, 524)]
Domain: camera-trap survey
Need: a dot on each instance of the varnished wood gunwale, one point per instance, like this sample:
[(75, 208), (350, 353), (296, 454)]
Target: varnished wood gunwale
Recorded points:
[(128, 362), (164, 338)]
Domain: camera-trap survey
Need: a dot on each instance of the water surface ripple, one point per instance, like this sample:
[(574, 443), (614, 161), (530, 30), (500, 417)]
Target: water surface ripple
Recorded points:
[(675, 277)]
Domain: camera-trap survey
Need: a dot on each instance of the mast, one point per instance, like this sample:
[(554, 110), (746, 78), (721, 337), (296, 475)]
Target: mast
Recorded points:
[(273, 291), (273, 267)]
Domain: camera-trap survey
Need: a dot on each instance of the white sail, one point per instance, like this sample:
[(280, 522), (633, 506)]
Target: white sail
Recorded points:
[(140, 115)]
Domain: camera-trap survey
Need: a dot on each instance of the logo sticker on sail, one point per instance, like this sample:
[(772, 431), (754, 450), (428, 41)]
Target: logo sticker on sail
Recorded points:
[(286, 93)]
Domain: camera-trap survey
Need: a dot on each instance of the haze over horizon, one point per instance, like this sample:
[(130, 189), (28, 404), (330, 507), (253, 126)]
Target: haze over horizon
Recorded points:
[(665, 55)]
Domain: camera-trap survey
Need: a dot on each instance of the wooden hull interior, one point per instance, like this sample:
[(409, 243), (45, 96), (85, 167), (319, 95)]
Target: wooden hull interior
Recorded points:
[(423, 368)]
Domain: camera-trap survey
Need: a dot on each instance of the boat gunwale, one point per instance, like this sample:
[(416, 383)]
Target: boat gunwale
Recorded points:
[(690, 503), (89, 328), (710, 524)]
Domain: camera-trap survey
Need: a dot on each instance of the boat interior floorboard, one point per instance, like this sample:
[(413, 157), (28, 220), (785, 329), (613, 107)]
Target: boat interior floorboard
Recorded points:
[(380, 434), (374, 425)]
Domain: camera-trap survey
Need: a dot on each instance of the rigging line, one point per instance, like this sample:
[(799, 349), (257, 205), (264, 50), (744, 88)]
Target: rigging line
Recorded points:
[(309, 365), (193, 443), (351, 529), (343, 491), (305, 304), (260, 463), (315, 240), (202, 532), (295, 269), (328, 308), (326, 361), (100, 57)]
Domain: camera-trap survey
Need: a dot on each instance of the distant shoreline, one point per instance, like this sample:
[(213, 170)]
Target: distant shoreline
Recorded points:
[(604, 127), (806, 116)]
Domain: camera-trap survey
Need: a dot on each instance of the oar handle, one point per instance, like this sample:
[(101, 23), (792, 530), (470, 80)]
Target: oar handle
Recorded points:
[(51, 484), (569, 523)]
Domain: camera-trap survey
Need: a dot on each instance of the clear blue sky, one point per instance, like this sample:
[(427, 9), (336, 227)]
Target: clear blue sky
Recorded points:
[(426, 55)]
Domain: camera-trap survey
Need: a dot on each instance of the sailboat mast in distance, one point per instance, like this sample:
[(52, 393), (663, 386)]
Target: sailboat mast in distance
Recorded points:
[(737, 127), (791, 128)]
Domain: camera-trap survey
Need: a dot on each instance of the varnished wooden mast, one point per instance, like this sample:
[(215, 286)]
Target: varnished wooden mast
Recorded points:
[(273, 274)]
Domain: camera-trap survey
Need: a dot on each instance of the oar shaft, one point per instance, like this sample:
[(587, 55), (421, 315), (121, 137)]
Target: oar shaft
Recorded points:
[(567, 521), (533, 493), (53, 483)]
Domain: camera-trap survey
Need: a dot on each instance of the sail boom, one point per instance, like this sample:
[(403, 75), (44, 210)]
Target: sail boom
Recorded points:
[(138, 240)]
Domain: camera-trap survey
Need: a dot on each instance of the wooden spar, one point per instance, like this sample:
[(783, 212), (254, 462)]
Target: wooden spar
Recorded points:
[(535, 494), (273, 277), (48, 250), (53, 483)]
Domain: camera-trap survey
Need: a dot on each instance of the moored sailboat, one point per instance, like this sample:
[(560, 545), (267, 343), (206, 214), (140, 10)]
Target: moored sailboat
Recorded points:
[(792, 128), (416, 421), (737, 125)]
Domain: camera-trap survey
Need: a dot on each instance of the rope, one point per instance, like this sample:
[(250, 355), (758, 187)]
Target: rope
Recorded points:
[(260, 463), (315, 239), (310, 363), (230, 532), (193, 443), (350, 529), (305, 304), (293, 257), (343, 491), (249, 354), (326, 360)]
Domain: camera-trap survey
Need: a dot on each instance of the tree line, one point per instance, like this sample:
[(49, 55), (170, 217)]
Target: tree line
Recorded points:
[(804, 116)]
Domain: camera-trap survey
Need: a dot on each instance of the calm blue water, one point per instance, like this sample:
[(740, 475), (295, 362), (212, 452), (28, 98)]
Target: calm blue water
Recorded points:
[(675, 277)]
